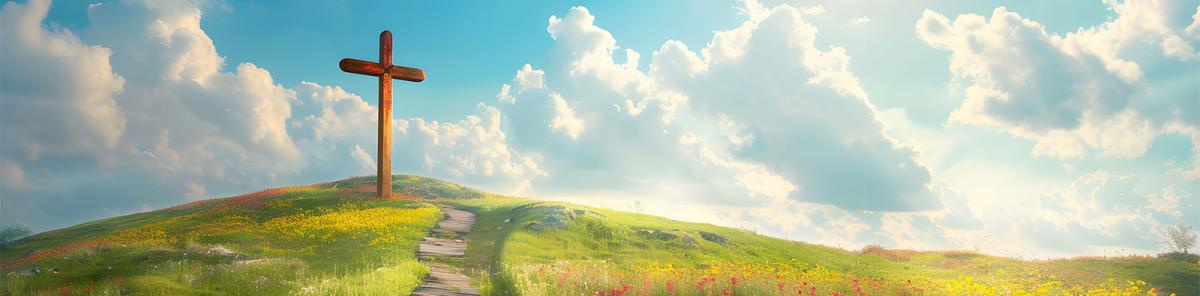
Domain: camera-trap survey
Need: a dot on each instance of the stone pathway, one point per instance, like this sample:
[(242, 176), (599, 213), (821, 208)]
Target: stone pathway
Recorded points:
[(447, 241)]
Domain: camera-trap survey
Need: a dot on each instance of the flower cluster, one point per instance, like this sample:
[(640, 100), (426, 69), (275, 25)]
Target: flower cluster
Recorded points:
[(597, 277), (381, 225)]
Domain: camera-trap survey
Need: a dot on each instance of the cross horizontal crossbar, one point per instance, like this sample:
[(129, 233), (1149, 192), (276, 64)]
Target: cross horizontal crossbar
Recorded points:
[(376, 69)]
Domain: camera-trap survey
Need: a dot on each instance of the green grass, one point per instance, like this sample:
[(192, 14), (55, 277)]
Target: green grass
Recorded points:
[(298, 240), (334, 239), (603, 251)]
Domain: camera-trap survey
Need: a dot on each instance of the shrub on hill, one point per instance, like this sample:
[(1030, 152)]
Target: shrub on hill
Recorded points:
[(12, 233), (1180, 256)]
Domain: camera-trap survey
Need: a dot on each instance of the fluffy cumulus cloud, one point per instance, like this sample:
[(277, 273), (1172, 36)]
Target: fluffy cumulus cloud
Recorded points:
[(1100, 210), (1099, 95), (1075, 93), (564, 118), (474, 149), (765, 126), (331, 123), (761, 119), (139, 109), (769, 77), (72, 95)]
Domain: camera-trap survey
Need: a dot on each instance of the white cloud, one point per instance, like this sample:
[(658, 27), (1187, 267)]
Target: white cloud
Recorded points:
[(734, 131), (734, 107), (755, 178), (565, 120), (473, 149), (181, 108), (1167, 201), (673, 60), (1071, 93), (1141, 20), (1021, 78), (1193, 134), (758, 126), (860, 20), (812, 10), (146, 95), (505, 95), (70, 95), (341, 113), (1193, 29), (363, 158), (152, 99), (758, 63), (958, 213), (1098, 209), (529, 79), (911, 231)]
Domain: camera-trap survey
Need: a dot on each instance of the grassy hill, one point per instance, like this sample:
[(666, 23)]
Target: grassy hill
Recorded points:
[(332, 238)]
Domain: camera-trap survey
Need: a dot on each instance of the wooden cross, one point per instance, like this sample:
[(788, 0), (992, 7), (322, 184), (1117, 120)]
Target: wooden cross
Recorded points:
[(386, 72)]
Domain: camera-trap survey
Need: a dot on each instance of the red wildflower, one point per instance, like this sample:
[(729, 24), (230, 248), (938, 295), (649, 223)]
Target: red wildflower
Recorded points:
[(704, 281), (813, 290), (670, 287), (780, 285), (615, 292), (836, 293), (728, 292), (733, 281)]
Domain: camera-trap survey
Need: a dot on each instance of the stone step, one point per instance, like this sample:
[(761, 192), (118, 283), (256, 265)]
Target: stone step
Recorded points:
[(444, 279)]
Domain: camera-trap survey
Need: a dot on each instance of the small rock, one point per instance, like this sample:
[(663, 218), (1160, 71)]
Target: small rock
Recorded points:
[(657, 234), (713, 237), (556, 217), (688, 240), (536, 226)]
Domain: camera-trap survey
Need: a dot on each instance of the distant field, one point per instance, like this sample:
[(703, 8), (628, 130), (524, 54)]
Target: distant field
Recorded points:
[(548, 248), (334, 239)]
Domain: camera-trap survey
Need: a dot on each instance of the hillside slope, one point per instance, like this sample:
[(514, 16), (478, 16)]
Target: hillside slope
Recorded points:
[(333, 238), (548, 248)]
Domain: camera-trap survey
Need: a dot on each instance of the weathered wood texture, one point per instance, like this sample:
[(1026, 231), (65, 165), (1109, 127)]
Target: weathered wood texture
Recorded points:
[(374, 69), (386, 72), (384, 153)]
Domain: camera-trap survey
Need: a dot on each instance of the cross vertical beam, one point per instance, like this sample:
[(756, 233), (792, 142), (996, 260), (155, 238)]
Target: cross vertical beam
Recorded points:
[(386, 72), (384, 152)]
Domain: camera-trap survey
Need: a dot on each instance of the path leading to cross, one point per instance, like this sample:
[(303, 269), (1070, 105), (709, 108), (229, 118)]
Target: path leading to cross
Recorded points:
[(447, 242)]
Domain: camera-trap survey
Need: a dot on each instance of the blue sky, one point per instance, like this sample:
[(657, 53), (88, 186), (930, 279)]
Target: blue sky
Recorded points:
[(1024, 128)]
